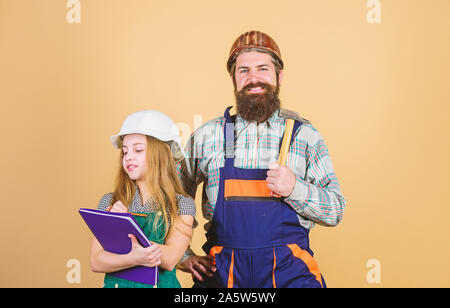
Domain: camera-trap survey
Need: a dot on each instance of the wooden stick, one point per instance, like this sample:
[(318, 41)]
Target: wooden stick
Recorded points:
[(286, 142), (285, 146)]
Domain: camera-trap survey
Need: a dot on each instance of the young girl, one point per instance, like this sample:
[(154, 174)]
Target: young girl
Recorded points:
[(147, 184)]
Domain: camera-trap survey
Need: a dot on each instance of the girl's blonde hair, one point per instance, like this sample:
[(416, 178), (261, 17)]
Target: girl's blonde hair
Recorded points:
[(161, 180)]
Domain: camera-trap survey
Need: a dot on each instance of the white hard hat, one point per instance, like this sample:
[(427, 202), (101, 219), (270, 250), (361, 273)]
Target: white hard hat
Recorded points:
[(152, 123)]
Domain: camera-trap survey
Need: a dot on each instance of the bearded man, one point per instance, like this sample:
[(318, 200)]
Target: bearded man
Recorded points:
[(259, 212)]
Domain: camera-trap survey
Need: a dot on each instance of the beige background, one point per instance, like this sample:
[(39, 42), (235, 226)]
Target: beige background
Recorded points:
[(378, 93)]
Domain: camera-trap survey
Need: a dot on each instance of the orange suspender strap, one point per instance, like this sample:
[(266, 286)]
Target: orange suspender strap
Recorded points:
[(308, 260)]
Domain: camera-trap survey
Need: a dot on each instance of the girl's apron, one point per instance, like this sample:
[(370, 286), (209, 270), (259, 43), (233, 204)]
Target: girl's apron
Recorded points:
[(167, 279), (256, 239)]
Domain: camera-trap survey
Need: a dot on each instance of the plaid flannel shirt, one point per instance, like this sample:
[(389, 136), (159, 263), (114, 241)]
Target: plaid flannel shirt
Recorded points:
[(316, 197)]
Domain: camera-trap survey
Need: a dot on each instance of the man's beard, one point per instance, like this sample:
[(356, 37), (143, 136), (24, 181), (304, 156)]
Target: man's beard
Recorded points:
[(257, 107)]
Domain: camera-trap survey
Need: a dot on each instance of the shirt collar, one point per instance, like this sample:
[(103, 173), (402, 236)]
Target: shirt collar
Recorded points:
[(271, 121), (137, 200)]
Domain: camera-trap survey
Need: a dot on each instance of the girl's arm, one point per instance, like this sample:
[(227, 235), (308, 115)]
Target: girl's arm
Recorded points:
[(103, 261), (177, 242)]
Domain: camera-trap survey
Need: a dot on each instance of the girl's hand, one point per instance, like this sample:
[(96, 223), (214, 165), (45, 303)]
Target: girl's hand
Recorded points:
[(150, 256), (118, 207)]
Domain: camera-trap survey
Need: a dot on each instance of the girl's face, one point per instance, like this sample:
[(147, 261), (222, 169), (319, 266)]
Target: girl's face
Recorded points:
[(134, 160)]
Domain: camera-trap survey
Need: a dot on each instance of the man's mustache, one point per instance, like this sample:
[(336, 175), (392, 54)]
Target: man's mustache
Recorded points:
[(257, 84)]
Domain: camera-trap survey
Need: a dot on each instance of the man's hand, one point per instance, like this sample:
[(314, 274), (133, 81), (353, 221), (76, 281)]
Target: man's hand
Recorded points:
[(199, 266), (280, 179)]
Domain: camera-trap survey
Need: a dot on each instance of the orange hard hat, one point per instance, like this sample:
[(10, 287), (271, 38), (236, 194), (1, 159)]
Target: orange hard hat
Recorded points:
[(254, 40)]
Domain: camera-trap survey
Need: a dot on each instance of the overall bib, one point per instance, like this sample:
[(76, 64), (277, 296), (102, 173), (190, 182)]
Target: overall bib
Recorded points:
[(166, 279), (255, 238)]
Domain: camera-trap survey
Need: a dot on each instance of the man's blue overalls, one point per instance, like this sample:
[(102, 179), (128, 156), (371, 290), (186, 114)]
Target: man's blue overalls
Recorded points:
[(255, 238)]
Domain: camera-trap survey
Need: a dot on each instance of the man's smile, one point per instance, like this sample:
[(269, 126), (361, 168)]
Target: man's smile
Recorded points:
[(256, 90)]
